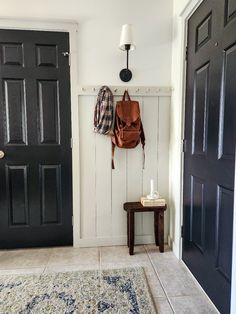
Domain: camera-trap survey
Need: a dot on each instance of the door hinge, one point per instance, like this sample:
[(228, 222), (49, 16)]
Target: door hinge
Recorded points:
[(184, 146), (71, 143), (186, 53), (72, 220), (182, 231), (67, 54)]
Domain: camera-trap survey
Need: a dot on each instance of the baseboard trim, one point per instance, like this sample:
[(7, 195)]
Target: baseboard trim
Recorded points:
[(122, 240), (169, 241)]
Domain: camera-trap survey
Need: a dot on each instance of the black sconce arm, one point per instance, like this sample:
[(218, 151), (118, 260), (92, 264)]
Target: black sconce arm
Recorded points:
[(126, 74)]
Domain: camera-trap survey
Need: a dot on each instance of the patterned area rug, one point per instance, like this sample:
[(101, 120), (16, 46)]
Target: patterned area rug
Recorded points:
[(120, 291)]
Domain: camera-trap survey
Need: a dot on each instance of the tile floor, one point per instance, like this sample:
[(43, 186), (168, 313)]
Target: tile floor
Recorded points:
[(173, 288)]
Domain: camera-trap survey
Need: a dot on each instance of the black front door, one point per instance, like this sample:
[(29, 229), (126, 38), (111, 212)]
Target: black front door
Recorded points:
[(35, 136), (210, 134)]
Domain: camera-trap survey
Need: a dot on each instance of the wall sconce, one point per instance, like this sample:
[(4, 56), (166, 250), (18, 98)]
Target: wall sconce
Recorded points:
[(126, 44)]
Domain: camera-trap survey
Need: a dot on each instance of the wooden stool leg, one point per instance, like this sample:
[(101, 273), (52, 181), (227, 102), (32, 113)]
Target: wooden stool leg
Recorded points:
[(127, 228), (131, 233), (161, 231), (156, 229)]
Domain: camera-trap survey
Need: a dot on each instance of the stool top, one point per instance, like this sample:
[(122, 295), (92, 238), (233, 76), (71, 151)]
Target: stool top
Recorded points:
[(137, 206)]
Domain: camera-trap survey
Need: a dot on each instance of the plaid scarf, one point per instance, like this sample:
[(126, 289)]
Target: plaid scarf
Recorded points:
[(103, 113)]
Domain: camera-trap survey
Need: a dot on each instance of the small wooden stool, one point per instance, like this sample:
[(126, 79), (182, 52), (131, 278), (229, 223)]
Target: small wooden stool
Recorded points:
[(133, 207)]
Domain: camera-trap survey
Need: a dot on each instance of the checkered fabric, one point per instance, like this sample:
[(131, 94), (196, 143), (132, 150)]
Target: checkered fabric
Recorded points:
[(103, 113)]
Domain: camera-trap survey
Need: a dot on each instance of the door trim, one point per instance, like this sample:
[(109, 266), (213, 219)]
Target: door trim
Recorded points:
[(72, 28), (184, 16)]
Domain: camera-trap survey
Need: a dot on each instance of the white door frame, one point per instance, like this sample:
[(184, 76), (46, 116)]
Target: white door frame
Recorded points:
[(72, 28), (186, 13)]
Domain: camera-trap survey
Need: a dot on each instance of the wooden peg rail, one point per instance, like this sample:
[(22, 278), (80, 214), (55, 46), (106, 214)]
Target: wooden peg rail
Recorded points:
[(151, 91)]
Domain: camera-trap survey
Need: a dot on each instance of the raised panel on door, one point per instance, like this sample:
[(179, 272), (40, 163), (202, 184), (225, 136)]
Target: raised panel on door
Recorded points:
[(17, 195), (225, 198), (197, 216), (48, 99), (227, 127), (50, 176), (47, 55), (230, 10), (203, 31), (15, 112), (11, 54), (200, 110)]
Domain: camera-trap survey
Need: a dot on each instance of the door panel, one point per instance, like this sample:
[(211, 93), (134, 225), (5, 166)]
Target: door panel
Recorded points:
[(200, 110), (35, 135), (51, 194), (224, 232), (48, 99), (230, 10), (15, 111), (197, 223), (17, 196), (227, 105), (47, 55), (204, 31), (210, 136)]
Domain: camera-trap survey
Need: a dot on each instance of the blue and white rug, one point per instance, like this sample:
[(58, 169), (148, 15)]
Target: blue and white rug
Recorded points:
[(120, 291)]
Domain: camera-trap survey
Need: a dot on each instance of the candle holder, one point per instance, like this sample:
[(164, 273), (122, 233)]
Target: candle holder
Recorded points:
[(153, 194)]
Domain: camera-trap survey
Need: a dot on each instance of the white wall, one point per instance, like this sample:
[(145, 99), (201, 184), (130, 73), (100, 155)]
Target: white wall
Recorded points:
[(99, 59), (99, 62)]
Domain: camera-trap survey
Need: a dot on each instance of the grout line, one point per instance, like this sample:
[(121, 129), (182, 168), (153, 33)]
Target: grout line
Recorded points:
[(99, 257), (167, 297), (46, 265)]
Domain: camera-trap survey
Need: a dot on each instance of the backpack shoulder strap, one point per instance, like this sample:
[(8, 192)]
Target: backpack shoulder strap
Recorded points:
[(142, 135), (113, 154), (142, 138), (126, 93)]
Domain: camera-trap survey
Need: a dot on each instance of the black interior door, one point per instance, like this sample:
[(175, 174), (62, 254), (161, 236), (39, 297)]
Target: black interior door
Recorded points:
[(35, 136), (210, 135)]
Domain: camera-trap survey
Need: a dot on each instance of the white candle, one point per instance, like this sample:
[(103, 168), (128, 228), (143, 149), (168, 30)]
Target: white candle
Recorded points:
[(151, 187)]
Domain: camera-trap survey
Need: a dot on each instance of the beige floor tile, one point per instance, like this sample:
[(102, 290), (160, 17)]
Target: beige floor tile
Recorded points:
[(120, 254), (184, 294), (173, 275), (163, 306), (154, 283), (74, 256), (22, 271), (192, 305), (66, 268), (155, 249), (24, 258)]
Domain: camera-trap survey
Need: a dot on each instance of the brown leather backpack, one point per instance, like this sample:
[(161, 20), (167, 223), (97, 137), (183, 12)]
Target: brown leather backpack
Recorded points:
[(128, 129)]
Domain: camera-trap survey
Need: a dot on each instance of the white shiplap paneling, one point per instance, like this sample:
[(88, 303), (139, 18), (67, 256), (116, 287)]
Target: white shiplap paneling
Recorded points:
[(87, 169), (103, 191), (150, 123)]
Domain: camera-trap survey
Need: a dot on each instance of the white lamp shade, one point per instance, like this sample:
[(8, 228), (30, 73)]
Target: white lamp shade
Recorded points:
[(126, 37)]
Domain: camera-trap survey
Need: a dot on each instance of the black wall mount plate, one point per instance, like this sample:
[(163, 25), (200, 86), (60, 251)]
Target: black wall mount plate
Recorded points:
[(125, 75)]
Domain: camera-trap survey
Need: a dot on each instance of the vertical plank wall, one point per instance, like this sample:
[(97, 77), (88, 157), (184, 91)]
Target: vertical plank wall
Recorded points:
[(103, 190)]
